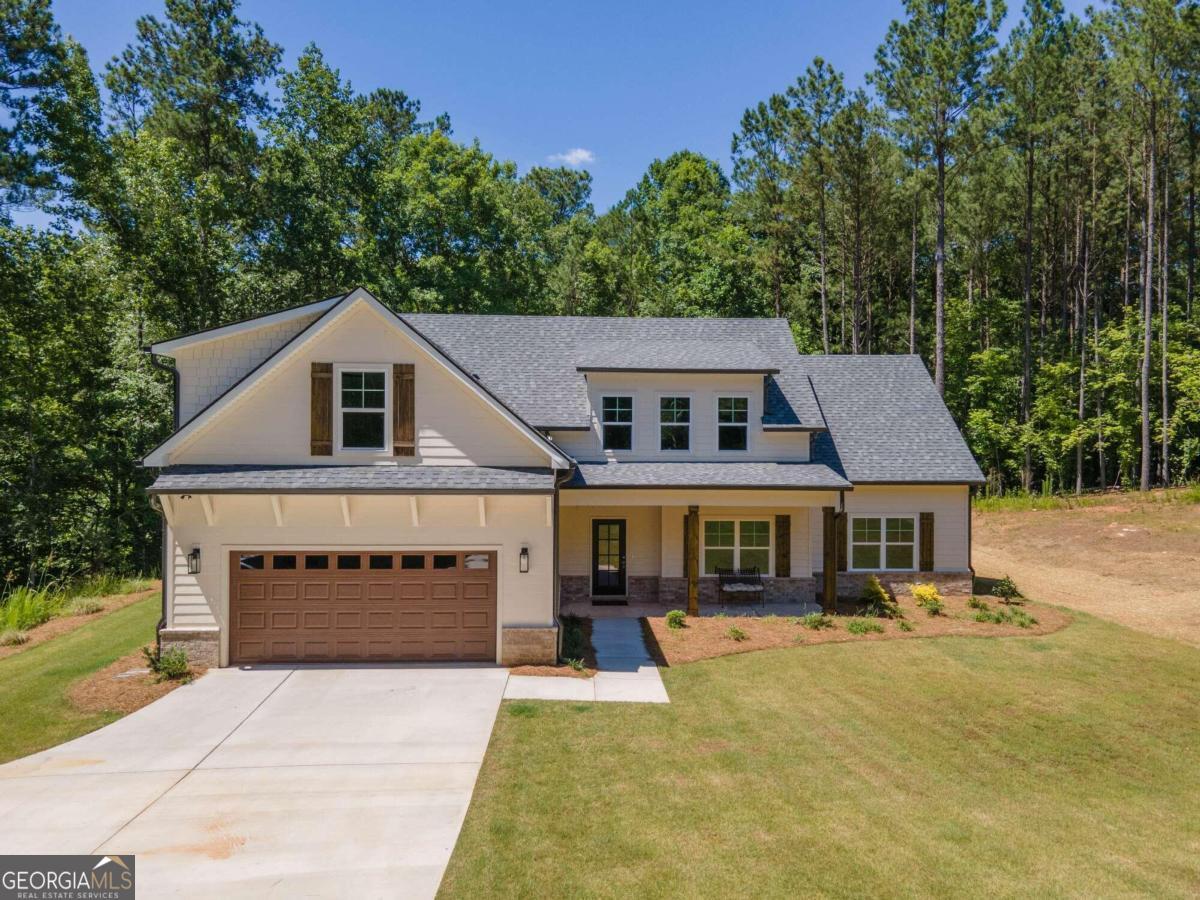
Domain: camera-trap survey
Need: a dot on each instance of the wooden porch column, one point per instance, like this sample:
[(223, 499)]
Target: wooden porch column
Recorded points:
[(693, 560), (829, 560)]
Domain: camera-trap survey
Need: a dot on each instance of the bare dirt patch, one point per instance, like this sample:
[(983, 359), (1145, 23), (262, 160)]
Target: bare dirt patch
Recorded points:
[(708, 636), (104, 691), (65, 624), (1129, 559)]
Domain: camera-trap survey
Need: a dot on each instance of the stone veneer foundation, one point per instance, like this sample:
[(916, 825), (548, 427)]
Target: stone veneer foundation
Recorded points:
[(202, 645), (673, 591), (528, 646), (850, 584)]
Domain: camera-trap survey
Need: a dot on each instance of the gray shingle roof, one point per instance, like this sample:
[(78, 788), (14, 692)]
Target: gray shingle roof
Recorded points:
[(887, 422), (531, 362), (676, 356), (795, 476), (350, 479)]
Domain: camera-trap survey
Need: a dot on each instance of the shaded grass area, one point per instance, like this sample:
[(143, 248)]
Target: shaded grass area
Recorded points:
[(1060, 765), (34, 708)]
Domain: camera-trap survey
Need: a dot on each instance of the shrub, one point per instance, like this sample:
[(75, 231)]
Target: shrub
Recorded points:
[(1017, 617), (84, 606), (816, 621), (13, 638), (929, 598), (877, 602), (863, 626), (170, 665), (906, 625), (977, 603), (26, 607), (575, 642), (576, 664), (1006, 590), (677, 618), (736, 634)]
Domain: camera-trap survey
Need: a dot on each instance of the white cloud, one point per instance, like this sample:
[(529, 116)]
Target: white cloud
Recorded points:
[(575, 157)]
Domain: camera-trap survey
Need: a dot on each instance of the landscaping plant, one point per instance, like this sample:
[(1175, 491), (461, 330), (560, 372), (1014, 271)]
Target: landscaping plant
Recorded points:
[(929, 598), (1006, 590), (13, 638), (676, 618), (816, 621), (169, 665), (863, 626), (736, 634), (877, 601)]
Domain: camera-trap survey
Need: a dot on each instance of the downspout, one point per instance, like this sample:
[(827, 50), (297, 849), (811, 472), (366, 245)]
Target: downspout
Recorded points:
[(155, 503)]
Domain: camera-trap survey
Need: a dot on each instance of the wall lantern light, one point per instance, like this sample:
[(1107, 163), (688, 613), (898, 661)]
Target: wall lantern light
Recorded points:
[(193, 561), (523, 562)]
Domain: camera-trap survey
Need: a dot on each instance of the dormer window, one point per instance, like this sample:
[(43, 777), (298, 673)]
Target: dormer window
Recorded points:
[(733, 422), (675, 423), (362, 408), (616, 421)]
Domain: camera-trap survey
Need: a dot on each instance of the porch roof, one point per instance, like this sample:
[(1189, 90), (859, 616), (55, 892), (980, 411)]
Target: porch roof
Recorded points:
[(778, 475), (380, 479)]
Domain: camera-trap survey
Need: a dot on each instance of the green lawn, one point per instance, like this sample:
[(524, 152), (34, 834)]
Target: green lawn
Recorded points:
[(1064, 765), (34, 710)]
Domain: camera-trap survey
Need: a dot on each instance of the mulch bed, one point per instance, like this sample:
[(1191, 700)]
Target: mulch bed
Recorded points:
[(103, 691), (707, 637), (562, 670), (64, 624)]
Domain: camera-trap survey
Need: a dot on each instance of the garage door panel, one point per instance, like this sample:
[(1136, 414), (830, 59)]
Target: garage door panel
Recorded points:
[(397, 605), (316, 590)]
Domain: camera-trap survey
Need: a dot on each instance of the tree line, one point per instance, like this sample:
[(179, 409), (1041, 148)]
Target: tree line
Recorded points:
[(1019, 211)]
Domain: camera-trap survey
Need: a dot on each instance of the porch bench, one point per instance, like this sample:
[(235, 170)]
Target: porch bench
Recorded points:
[(740, 585)]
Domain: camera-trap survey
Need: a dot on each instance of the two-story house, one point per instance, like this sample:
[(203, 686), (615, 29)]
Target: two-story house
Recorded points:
[(346, 483)]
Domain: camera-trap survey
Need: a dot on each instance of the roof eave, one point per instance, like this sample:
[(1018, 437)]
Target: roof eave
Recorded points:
[(677, 370)]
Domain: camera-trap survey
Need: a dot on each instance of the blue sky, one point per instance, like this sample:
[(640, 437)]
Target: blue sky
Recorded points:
[(625, 82)]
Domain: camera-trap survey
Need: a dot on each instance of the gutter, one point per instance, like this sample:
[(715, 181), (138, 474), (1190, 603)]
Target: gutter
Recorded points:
[(155, 503)]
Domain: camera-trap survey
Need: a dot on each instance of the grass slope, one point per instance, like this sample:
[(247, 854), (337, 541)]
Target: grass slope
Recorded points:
[(33, 684), (1061, 765)]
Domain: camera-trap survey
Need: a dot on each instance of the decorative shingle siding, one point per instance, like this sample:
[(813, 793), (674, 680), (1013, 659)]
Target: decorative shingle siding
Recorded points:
[(208, 370)]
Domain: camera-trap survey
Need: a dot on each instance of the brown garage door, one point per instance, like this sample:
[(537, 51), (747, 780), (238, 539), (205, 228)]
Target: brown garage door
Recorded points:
[(319, 606)]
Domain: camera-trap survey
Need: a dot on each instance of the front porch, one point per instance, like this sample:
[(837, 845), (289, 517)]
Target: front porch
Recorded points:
[(625, 552)]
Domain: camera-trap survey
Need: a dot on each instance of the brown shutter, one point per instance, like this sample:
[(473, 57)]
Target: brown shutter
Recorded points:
[(926, 542), (321, 414), (783, 546), (843, 539), (404, 408)]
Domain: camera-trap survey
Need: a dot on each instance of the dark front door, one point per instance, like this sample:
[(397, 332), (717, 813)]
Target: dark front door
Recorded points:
[(608, 557)]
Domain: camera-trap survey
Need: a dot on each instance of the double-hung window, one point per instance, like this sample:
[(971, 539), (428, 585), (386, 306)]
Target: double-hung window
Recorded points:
[(362, 408), (737, 544), (616, 422), (675, 423), (883, 542), (733, 423)]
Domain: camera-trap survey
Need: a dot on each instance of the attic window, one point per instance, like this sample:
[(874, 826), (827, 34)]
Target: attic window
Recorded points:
[(362, 408), (617, 422), (733, 421)]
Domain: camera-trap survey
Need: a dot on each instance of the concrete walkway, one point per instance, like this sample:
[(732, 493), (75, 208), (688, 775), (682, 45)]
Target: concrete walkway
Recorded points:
[(324, 781), (626, 672)]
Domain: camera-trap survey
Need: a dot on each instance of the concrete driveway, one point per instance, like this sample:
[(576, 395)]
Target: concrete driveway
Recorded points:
[(270, 782)]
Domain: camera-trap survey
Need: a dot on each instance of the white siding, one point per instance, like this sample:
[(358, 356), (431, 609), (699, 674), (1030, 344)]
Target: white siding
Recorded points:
[(950, 505), (209, 369), (270, 424), (704, 389)]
